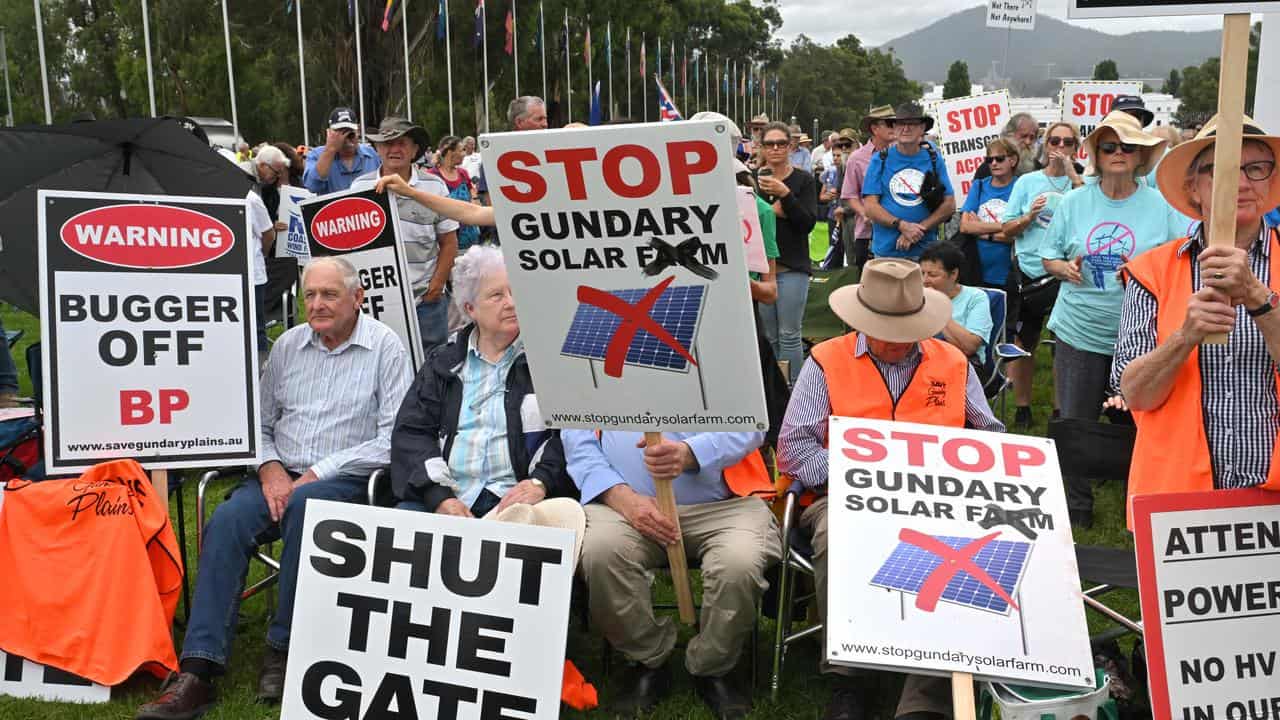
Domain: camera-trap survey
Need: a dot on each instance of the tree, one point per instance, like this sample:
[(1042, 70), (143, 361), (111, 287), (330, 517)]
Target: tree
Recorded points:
[(1199, 93), (957, 84), (866, 78), (1173, 84), (1106, 70)]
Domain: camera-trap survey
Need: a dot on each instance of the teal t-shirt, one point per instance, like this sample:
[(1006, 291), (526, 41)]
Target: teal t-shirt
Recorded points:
[(1026, 247), (1106, 233), (989, 202), (972, 310), (897, 180)]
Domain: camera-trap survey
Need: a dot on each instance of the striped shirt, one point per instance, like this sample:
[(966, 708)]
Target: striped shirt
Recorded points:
[(480, 456), (802, 442), (332, 410), (1238, 380)]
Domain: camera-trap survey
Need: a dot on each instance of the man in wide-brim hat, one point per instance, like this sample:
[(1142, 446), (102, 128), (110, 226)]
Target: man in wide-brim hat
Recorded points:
[(891, 367), (877, 128), (1210, 411), (882, 114)]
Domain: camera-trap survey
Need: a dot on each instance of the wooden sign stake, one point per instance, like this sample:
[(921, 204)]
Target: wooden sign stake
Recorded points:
[(1226, 150), (160, 482), (666, 496), (962, 704)]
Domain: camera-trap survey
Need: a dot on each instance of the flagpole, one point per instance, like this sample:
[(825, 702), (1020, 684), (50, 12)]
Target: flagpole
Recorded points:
[(359, 67), (515, 46), (408, 86), (8, 96), (608, 61), (231, 75), (44, 70), (588, 60), (644, 82), (146, 44), (448, 64), (568, 72), (629, 115), (706, 81), (302, 75), (542, 44), (484, 53)]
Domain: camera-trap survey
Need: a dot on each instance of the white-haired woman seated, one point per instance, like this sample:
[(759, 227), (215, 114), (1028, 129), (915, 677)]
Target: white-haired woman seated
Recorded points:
[(469, 439)]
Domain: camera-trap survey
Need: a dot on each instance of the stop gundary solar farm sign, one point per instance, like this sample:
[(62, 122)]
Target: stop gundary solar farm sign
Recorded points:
[(148, 330)]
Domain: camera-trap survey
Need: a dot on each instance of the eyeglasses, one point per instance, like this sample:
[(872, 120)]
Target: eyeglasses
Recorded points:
[(997, 158), (1256, 171), (908, 123), (1068, 141), (844, 146), (1108, 148), (775, 144)]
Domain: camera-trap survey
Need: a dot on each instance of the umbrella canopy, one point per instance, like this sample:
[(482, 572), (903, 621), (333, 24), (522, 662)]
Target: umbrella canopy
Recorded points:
[(153, 156)]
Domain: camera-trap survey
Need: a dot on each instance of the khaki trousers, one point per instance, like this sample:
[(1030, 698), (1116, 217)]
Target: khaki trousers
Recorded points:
[(920, 693), (735, 540)]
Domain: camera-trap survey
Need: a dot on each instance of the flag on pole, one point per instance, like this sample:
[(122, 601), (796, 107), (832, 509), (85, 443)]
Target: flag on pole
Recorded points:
[(508, 46), (667, 110), (537, 37), (440, 19), (658, 56), (595, 118), (684, 75), (478, 37), (608, 40), (389, 12), (586, 47), (642, 44)]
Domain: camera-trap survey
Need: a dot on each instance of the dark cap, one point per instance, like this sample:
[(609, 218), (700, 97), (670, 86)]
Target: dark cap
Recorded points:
[(1134, 105), (343, 119), (393, 127)]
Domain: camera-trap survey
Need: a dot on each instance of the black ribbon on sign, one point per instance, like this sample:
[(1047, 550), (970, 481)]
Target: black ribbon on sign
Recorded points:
[(1016, 519), (686, 255)]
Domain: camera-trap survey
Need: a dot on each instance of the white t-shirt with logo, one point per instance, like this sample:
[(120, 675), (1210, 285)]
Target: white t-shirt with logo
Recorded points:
[(259, 222), (419, 226)]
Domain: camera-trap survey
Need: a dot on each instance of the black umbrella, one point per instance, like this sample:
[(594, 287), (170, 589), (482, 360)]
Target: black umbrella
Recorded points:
[(154, 156)]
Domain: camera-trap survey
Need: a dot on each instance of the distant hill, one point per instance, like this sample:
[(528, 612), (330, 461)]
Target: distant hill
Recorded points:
[(927, 53)]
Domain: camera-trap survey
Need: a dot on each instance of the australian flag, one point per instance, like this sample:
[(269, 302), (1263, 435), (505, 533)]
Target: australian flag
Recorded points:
[(667, 109)]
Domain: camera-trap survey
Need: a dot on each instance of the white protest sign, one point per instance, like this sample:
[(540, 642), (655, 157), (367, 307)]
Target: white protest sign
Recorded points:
[(1087, 102), (427, 615), (752, 234), (1011, 14), (22, 678), (1146, 8), (363, 228), (1209, 579), (951, 552), (294, 241), (625, 252), (150, 350), (967, 125)]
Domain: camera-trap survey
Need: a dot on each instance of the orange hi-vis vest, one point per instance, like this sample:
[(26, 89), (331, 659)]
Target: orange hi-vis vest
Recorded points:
[(91, 573), (748, 476), (1171, 452), (935, 395)]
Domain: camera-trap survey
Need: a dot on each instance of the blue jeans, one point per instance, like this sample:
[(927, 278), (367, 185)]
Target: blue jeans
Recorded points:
[(8, 371), (234, 532), (781, 321), (433, 321)]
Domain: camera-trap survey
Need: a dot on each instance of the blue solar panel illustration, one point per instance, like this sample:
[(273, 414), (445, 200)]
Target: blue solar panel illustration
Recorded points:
[(1004, 560), (677, 310)]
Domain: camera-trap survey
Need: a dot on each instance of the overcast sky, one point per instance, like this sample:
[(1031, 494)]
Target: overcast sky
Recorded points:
[(828, 20)]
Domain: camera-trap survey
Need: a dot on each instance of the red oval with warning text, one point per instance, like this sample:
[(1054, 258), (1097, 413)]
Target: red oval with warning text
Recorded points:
[(147, 236), (348, 224)]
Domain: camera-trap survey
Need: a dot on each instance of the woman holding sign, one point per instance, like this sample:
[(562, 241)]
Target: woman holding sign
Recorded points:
[(1208, 410)]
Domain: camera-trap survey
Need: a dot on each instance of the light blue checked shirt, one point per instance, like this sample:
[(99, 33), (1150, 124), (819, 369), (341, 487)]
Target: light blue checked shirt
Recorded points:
[(332, 410), (480, 456)]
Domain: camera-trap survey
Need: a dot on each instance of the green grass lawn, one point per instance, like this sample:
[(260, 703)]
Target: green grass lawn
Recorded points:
[(804, 693)]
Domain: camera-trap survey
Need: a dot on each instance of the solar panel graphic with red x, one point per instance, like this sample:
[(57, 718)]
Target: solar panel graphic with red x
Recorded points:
[(981, 573), (615, 326)]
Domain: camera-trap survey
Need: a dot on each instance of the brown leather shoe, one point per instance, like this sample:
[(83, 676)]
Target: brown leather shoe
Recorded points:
[(271, 677), (182, 697)]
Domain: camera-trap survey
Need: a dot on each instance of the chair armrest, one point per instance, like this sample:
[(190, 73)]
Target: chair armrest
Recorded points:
[(207, 479), (377, 479), (1009, 351)]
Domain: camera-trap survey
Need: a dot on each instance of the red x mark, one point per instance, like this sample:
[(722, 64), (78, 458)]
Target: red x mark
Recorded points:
[(634, 318), (953, 561)]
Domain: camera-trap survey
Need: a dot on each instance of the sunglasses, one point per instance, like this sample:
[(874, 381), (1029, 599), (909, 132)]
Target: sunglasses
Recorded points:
[(1068, 141), (1108, 148), (1256, 171), (775, 144), (844, 146), (997, 158)]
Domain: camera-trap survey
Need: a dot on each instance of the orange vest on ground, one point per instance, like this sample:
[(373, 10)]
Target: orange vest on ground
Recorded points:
[(935, 395), (1171, 452), (91, 573)]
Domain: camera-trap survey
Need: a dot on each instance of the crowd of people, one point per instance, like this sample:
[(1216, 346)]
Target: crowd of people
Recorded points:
[(1105, 257)]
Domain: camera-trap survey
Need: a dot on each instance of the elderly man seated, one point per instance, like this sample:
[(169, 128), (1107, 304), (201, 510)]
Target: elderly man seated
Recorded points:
[(469, 438), (890, 368), (329, 396), (735, 538)]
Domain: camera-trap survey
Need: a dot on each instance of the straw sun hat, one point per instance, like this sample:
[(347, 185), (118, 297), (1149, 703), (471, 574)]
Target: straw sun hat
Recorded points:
[(892, 304), (1171, 175), (1129, 130)]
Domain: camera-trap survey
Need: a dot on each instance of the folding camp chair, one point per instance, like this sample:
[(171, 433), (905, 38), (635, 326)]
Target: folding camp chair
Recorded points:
[(994, 382), (282, 290), (797, 557)]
